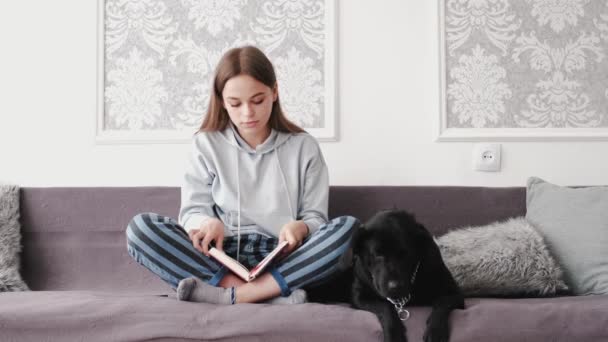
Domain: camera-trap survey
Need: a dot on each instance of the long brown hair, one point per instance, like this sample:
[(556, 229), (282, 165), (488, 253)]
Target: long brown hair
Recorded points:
[(246, 60)]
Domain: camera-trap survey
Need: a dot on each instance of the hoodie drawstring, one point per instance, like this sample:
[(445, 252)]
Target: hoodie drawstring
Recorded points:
[(291, 212), (238, 196)]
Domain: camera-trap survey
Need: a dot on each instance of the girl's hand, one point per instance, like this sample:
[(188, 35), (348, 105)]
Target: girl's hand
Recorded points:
[(294, 232), (212, 230)]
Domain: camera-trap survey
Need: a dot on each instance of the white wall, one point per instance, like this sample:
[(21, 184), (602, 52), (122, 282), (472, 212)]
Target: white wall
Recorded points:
[(388, 86)]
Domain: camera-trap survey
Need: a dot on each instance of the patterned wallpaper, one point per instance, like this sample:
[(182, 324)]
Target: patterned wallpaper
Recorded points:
[(160, 56), (526, 63)]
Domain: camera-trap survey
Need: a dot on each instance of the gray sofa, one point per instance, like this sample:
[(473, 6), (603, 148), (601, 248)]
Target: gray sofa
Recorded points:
[(87, 288)]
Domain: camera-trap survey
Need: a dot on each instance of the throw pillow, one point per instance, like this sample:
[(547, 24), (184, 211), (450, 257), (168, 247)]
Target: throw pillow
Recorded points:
[(574, 222), (10, 240), (503, 259)]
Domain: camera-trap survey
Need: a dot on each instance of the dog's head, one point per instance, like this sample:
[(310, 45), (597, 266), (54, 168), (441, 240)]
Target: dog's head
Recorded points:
[(387, 252)]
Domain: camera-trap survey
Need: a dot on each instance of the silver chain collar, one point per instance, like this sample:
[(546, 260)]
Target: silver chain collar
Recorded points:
[(400, 303)]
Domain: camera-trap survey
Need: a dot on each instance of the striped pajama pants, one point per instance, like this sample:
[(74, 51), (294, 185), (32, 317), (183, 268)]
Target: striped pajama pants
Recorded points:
[(161, 245)]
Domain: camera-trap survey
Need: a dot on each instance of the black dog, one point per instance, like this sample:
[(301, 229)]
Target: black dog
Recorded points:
[(395, 262)]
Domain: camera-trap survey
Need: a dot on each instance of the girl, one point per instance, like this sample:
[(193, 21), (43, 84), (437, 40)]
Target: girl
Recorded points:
[(254, 179)]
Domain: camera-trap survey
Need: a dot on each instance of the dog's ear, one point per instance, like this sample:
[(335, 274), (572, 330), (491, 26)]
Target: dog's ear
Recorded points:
[(429, 252), (426, 232), (422, 234), (358, 233), (346, 259)]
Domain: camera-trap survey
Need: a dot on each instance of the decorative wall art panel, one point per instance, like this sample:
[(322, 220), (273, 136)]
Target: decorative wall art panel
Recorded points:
[(157, 57), (523, 69)]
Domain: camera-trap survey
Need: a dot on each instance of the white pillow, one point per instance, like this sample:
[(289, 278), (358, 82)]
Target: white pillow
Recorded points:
[(574, 222)]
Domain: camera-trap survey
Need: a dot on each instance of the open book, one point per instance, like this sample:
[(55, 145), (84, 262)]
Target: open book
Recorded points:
[(241, 270)]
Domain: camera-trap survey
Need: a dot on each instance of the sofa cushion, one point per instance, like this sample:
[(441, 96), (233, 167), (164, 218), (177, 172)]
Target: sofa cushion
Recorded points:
[(574, 222), (507, 258), (10, 240), (103, 316), (74, 238), (126, 316)]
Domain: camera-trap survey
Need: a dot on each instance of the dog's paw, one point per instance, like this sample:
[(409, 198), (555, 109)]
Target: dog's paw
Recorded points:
[(436, 334), (395, 333), (395, 338)]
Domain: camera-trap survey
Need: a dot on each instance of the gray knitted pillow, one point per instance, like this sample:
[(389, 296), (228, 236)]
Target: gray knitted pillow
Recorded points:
[(10, 240), (507, 258)]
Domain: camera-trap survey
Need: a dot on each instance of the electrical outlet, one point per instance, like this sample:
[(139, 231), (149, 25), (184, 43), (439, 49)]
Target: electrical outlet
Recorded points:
[(486, 157)]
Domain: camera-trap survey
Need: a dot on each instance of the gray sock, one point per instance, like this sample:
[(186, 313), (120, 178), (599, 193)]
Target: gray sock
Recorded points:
[(296, 297), (195, 290)]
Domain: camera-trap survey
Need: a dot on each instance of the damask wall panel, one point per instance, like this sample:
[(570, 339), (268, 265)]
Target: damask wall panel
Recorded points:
[(157, 59), (524, 69)]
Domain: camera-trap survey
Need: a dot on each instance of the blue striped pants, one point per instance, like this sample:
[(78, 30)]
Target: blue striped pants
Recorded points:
[(161, 245)]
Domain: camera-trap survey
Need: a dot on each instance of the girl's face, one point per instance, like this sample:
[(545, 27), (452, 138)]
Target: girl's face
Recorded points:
[(249, 104)]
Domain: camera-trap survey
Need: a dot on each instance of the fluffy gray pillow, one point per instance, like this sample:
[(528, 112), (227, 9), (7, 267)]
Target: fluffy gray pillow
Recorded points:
[(501, 259), (10, 240), (574, 222)]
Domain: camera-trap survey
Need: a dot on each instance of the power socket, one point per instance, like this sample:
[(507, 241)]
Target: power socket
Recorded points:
[(486, 157)]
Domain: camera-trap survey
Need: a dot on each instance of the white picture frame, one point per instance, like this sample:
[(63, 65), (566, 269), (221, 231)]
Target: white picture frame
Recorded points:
[(328, 132), (443, 133)]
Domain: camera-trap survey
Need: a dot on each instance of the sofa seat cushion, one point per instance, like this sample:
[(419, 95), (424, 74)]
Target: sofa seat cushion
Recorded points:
[(123, 316), (571, 318)]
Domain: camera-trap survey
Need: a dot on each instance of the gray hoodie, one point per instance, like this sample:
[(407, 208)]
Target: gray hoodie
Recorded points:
[(283, 179)]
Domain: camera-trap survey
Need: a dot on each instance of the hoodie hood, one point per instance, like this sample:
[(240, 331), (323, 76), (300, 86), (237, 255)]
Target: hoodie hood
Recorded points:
[(274, 140)]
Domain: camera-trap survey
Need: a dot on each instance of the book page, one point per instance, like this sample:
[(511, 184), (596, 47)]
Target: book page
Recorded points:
[(259, 268), (229, 262)]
